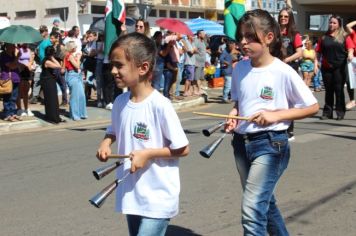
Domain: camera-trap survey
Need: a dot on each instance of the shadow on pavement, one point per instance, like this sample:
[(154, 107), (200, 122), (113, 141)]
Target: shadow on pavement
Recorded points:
[(174, 230), (340, 136), (321, 201)]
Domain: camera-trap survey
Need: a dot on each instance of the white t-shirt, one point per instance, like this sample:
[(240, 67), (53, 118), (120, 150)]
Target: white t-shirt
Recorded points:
[(273, 87), (153, 123)]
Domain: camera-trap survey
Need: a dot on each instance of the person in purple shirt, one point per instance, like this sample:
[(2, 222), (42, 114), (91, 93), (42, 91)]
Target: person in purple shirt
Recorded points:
[(9, 69)]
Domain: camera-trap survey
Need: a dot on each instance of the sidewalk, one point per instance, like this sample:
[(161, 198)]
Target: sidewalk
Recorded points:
[(95, 116)]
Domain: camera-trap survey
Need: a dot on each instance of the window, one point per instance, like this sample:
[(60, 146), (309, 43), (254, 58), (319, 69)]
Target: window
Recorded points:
[(153, 13), (97, 9), (220, 16), (25, 14), (193, 15), (195, 2), (56, 11), (173, 14), (162, 13), (3, 14), (319, 22), (183, 14)]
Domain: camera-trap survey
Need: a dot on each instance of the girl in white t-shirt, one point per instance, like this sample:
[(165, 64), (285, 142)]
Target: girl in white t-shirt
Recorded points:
[(271, 94), (145, 127)]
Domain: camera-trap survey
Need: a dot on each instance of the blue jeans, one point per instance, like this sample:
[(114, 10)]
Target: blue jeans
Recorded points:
[(227, 87), (168, 78), (157, 77), (317, 79), (179, 77), (77, 102), (144, 226), (9, 101), (261, 159)]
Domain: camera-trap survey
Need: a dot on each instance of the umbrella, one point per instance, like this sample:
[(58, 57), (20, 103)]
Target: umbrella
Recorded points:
[(174, 25), (210, 27), (20, 34), (99, 25)]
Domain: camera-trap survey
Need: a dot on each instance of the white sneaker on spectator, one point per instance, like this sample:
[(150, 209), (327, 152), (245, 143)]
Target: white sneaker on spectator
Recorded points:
[(21, 112), (29, 113), (109, 106)]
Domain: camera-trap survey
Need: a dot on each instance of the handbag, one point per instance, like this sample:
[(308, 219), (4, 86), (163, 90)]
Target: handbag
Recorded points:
[(6, 85)]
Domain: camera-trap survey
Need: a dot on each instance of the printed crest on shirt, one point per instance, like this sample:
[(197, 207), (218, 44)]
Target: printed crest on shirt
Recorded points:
[(141, 132), (267, 93)]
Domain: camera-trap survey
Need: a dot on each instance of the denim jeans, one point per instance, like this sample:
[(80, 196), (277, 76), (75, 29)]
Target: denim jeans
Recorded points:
[(260, 161), (144, 226), (77, 103), (317, 79), (62, 84), (157, 77), (168, 78), (227, 87), (9, 101), (179, 77)]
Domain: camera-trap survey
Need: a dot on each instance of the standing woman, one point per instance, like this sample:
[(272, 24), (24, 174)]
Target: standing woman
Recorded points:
[(291, 39), (309, 65), (333, 46), (77, 102), (9, 69), (26, 61), (291, 47), (49, 85)]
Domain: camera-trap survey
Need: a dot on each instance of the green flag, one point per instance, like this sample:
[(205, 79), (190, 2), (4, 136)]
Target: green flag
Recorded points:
[(234, 9), (115, 15)]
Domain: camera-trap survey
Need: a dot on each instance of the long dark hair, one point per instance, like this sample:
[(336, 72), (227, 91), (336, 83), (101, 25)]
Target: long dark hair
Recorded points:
[(291, 27), (261, 20)]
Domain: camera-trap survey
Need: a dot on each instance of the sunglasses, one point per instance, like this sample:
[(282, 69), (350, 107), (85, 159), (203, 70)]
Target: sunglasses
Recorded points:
[(284, 16), (139, 26)]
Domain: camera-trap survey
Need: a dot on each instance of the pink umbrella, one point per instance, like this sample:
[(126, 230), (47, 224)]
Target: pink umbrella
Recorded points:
[(174, 25)]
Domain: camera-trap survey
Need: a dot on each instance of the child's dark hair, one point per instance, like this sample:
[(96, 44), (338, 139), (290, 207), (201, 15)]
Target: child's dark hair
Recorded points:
[(138, 48), (260, 20)]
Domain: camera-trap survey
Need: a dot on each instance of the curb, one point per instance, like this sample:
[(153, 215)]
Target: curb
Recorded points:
[(38, 124)]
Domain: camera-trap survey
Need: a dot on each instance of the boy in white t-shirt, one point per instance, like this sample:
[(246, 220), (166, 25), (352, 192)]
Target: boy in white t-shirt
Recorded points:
[(147, 128)]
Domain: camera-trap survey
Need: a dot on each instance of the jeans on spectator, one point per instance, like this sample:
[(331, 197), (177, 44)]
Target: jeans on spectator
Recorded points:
[(157, 77), (9, 101), (261, 160), (316, 80), (62, 84), (145, 226), (99, 80), (179, 77), (77, 103), (168, 78), (227, 87)]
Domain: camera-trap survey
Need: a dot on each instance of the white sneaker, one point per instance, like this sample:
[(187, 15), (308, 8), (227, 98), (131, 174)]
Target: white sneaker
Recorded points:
[(29, 113), (21, 112), (109, 106)]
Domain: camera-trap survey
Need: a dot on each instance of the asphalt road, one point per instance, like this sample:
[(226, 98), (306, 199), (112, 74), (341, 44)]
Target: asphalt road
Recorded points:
[(46, 181)]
